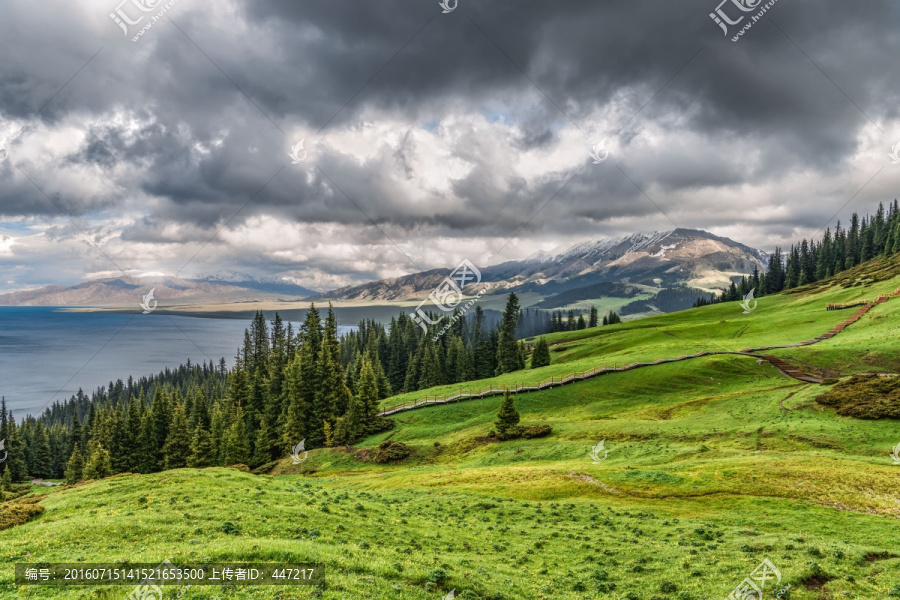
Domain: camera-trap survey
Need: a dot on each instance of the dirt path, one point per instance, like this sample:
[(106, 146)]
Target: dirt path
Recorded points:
[(781, 403)]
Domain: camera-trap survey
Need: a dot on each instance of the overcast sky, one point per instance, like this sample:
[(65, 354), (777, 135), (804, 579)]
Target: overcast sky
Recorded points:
[(428, 137)]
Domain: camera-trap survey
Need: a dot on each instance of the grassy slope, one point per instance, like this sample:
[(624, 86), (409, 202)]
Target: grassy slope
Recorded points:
[(714, 464), (780, 319)]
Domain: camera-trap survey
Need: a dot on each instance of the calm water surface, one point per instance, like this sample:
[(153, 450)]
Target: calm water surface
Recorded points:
[(46, 354)]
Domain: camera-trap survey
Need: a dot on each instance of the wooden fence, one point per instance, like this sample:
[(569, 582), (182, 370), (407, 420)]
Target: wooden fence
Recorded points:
[(582, 375), (535, 387)]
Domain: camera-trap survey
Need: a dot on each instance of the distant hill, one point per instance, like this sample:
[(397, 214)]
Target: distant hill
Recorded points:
[(118, 292)]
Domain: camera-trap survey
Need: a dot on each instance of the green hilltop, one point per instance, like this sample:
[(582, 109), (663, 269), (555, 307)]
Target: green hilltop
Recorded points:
[(712, 465)]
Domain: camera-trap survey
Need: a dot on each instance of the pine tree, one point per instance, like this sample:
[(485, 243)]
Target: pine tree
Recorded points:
[(133, 448), (202, 454), (161, 415), (540, 357), (329, 434), (75, 465), (333, 395), (508, 358), (147, 445), (177, 448), (349, 428), (42, 465), (74, 433), (98, 464), (367, 394), (16, 464), (236, 443), (592, 321), (297, 408), (507, 416)]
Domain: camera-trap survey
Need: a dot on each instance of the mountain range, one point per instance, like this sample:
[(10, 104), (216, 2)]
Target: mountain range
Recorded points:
[(680, 257), (620, 268)]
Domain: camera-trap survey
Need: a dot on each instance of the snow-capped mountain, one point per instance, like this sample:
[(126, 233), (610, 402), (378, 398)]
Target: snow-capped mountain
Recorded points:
[(658, 259)]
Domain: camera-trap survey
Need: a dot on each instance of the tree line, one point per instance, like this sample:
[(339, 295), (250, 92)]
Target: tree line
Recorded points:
[(809, 260)]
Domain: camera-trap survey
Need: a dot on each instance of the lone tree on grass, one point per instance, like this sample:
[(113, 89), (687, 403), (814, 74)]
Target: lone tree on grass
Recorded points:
[(540, 357), (507, 416)]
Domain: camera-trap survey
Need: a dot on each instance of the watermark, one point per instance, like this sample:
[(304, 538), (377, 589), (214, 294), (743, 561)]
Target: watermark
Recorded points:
[(296, 159), (148, 588), (147, 299), (295, 452), (895, 454), (895, 154), (599, 152), (124, 20), (447, 6), (745, 303), (4, 153), (723, 20), (753, 587), (5, 453), (462, 312), (152, 579), (596, 450), (448, 294)]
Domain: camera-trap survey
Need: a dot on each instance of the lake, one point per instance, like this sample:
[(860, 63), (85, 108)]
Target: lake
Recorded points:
[(47, 353)]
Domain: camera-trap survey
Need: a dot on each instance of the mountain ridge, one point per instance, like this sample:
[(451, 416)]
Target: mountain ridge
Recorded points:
[(692, 257), (674, 258)]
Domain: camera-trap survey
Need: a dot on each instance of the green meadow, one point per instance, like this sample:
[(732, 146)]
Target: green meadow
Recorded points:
[(709, 467)]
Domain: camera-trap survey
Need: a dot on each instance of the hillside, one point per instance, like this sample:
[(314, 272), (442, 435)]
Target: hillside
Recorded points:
[(714, 464)]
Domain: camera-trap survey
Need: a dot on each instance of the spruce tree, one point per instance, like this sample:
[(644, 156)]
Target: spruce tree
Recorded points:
[(75, 465), (15, 462), (329, 434), (147, 461), (133, 448), (42, 465), (507, 416), (508, 358), (367, 393), (332, 395), (177, 448), (161, 415), (349, 428), (236, 445), (296, 406), (540, 357), (592, 321), (98, 463), (202, 454)]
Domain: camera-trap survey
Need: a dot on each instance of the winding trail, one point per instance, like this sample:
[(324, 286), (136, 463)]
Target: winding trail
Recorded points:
[(779, 364)]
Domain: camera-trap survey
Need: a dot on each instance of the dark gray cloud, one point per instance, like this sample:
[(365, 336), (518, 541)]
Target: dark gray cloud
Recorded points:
[(443, 130)]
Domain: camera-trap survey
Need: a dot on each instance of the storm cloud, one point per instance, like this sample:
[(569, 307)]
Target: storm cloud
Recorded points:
[(429, 137)]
